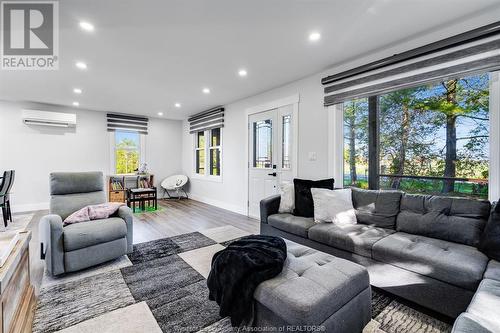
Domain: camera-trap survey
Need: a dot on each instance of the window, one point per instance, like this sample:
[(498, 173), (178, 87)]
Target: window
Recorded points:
[(127, 152), (286, 141), (215, 152), (431, 139), (356, 143), (210, 148), (200, 153), (263, 144)]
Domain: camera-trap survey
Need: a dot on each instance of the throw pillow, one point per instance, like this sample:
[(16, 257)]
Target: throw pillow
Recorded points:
[(490, 239), (333, 206), (287, 202), (304, 205), (81, 215), (93, 212)]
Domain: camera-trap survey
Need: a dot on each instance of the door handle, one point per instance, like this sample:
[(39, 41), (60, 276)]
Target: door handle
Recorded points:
[(272, 174)]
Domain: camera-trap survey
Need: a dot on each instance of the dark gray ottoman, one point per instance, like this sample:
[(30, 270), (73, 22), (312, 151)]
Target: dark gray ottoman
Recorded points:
[(315, 289)]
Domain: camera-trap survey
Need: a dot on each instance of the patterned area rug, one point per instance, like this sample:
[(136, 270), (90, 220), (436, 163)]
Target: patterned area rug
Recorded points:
[(165, 282)]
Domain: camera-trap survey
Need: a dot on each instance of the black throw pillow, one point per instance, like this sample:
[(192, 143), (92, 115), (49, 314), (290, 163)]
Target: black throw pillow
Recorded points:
[(304, 205), (490, 239)]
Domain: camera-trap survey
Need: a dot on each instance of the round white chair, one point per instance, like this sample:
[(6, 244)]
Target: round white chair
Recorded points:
[(175, 183)]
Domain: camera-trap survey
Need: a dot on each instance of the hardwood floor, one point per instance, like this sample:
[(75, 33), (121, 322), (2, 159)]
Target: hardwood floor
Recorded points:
[(173, 218)]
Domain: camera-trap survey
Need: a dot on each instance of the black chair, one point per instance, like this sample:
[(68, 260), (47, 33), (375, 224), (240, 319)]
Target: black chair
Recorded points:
[(5, 187)]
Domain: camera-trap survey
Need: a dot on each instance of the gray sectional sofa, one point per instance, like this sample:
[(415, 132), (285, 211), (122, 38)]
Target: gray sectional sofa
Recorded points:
[(421, 248)]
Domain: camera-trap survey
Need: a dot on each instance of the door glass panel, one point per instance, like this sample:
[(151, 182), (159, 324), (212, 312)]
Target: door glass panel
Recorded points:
[(263, 144), (286, 142)]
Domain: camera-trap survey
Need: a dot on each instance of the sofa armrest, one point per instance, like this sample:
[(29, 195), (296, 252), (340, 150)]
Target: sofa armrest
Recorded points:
[(125, 213), (52, 247), (269, 206)]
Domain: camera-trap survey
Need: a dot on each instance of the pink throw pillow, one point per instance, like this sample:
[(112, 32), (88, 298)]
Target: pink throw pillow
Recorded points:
[(94, 212), (81, 215)]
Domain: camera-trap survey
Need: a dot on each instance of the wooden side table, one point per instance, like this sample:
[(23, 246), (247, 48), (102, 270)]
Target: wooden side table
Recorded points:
[(17, 296)]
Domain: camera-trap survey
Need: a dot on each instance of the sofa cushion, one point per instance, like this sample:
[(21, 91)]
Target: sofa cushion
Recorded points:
[(357, 238), (378, 208), (490, 239), (467, 323), (457, 220), (493, 270), (457, 264), (303, 197), (312, 286), (296, 225), (486, 303), (80, 235)]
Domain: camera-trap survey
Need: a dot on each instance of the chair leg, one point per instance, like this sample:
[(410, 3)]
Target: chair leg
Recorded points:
[(4, 215), (9, 211)]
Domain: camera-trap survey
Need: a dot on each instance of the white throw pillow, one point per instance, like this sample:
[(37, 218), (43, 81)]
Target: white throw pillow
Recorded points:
[(333, 206), (287, 202)]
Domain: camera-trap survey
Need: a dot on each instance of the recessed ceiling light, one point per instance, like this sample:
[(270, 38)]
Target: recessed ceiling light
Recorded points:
[(314, 36), (242, 72), (160, 113), (77, 91), (81, 65), (86, 26), (76, 104), (177, 105), (206, 91)]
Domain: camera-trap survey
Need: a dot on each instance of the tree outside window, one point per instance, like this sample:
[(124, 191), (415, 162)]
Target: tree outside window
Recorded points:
[(127, 152), (432, 138)]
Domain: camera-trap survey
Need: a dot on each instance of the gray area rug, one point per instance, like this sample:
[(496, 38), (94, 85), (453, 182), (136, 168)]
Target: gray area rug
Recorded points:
[(177, 295), (69, 303)]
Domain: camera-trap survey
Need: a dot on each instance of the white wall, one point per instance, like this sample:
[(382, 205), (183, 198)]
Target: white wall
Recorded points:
[(313, 125), (35, 151)]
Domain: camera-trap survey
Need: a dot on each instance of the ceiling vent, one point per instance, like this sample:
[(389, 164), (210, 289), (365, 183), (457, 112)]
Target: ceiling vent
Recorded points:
[(46, 118)]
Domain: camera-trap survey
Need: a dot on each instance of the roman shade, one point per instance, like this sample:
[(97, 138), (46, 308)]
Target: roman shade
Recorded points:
[(469, 53), (209, 119), (128, 123)]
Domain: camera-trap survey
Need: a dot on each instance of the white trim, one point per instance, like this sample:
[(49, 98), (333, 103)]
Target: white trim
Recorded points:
[(336, 144), (221, 204), (30, 207), (142, 147), (294, 99), (112, 161), (290, 100), (494, 167)]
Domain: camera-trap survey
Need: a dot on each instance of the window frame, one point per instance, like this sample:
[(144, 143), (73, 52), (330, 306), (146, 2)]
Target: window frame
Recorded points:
[(336, 140), (208, 147), (196, 150), (112, 146)]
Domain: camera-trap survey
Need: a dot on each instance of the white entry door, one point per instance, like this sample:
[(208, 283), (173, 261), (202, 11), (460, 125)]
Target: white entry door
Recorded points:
[(270, 154)]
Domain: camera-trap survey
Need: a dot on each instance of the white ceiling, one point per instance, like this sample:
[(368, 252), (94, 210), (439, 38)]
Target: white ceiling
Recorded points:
[(146, 55)]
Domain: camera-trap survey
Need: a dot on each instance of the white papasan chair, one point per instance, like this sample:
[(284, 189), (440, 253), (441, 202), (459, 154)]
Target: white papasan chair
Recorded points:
[(175, 183)]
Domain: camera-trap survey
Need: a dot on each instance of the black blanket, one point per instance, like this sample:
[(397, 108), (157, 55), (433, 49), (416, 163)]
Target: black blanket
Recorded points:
[(238, 270)]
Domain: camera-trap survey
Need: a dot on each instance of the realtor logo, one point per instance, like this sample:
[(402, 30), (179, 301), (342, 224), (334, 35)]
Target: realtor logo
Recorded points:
[(29, 35)]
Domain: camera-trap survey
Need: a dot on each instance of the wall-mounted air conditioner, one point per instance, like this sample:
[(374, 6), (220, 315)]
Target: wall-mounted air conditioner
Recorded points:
[(46, 118)]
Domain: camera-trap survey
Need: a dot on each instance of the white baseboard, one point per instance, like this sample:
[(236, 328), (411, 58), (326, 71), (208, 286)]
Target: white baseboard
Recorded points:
[(30, 207), (220, 204)]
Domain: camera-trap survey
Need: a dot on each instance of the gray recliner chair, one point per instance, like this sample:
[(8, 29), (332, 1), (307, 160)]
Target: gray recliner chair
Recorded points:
[(81, 245)]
